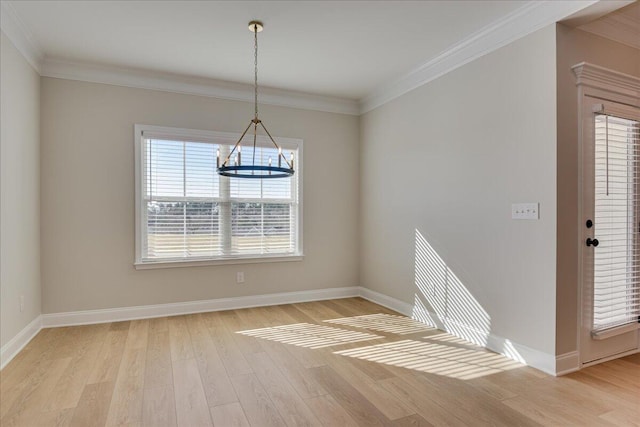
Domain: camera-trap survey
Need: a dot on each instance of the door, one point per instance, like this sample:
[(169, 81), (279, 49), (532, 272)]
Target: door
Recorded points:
[(610, 229)]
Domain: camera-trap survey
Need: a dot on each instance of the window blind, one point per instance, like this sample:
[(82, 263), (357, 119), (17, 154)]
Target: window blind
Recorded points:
[(191, 212), (617, 222)]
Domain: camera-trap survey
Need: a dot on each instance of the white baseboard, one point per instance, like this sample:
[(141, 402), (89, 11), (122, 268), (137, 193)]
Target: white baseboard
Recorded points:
[(521, 353), (174, 309), (540, 360), (387, 301), (567, 363), (17, 343), (548, 363)]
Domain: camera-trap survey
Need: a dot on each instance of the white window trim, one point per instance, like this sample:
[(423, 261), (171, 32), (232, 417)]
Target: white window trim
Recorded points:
[(212, 136)]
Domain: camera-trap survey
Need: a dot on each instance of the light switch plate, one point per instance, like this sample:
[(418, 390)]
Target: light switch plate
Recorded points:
[(525, 211)]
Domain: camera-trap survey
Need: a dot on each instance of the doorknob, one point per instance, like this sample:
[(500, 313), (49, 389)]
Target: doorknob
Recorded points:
[(592, 242)]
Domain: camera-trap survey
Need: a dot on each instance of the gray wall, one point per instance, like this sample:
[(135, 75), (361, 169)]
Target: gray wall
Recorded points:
[(575, 46), (440, 167), (20, 192), (88, 198)]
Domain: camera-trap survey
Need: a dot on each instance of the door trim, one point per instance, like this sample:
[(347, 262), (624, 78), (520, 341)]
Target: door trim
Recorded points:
[(609, 85)]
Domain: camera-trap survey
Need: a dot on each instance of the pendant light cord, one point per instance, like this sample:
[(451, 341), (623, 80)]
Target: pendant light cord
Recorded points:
[(232, 171), (255, 91), (255, 65)]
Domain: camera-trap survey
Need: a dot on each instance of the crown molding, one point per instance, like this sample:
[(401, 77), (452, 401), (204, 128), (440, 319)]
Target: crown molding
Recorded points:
[(532, 16), (144, 79), (603, 78), (20, 35)]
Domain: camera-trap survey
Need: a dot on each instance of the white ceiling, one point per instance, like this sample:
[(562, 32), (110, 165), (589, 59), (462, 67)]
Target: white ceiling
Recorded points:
[(345, 49), (344, 57)]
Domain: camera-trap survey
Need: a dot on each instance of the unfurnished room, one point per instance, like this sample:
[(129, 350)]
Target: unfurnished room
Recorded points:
[(320, 213)]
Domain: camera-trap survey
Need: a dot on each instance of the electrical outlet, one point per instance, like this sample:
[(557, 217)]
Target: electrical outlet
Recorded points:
[(240, 277), (21, 303)]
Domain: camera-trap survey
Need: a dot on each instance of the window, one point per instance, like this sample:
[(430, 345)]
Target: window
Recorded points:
[(187, 214)]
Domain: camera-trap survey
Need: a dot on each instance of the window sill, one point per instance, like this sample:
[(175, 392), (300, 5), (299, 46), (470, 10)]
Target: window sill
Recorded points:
[(148, 265)]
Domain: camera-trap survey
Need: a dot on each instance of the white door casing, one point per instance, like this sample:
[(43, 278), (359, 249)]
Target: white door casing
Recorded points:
[(603, 92)]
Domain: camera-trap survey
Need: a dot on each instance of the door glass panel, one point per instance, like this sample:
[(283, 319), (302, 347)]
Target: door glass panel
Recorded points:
[(616, 290)]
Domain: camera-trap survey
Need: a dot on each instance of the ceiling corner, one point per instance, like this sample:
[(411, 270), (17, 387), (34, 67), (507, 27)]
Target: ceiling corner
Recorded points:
[(20, 35), (530, 17)]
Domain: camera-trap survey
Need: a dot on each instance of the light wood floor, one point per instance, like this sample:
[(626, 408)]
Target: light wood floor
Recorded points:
[(334, 363)]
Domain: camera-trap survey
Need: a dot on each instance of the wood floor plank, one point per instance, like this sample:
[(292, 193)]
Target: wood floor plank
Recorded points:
[(257, 406), (318, 312), (574, 398), (293, 370), (422, 403), (138, 334), (623, 417), (392, 407), (274, 315), (93, 406), (309, 358), (492, 389), (66, 394), (201, 369), (217, 386), (36, 353), (412, 421), (231, 356), (120, 326), (296, 315), (126, 402), (235, 323), (625, 368), (179, 338), (213, 319), (191, 403), (552, 413), (33, 399), (245, 320), (20, 390), (108, 363), (329, 411), (159, 407), (633, 358), (60, 418), (288, 402), (622, 378), (158, 369), (298, 376), (375, 371), (609, 387), (356, 405), (158, 324), (341, 309), (469, 404), (363, 306), (229, 415)]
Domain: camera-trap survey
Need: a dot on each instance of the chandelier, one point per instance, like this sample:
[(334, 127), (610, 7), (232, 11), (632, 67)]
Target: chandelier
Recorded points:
[(232, 165)]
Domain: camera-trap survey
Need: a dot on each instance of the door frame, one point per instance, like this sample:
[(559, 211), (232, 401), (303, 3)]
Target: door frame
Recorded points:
[(609, 85)]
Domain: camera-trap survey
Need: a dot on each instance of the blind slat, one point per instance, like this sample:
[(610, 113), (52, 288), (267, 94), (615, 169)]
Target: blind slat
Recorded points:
[(192, 212), (616, 265)]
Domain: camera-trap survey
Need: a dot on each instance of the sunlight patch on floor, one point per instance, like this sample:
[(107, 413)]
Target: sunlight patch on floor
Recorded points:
[(309, 335), (384, 323), (451, 339), (454, 362)]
